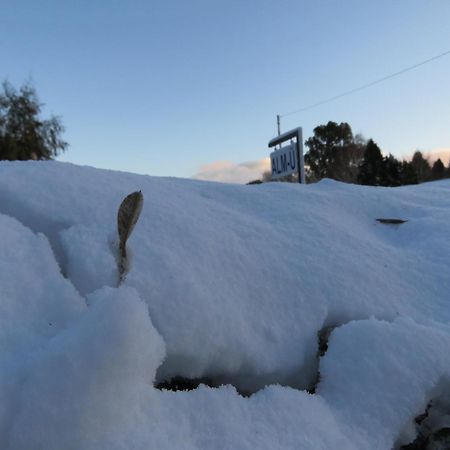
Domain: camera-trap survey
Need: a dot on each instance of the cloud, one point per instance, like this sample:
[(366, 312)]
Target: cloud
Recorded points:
[(230, 172)]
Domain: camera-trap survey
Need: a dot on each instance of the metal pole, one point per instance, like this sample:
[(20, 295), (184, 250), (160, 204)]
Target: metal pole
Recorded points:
[(278, 124), (301, 162)]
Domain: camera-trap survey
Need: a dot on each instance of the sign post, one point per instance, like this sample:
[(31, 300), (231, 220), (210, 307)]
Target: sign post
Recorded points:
[(288, 159)]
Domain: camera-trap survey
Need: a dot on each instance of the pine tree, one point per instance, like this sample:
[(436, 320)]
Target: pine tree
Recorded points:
[(438, 170), (391, 172), (23, 134), (421, 166), (371, 168), (407, 174)]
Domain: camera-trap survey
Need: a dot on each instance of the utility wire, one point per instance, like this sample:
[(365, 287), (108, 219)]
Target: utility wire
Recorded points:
[(365, 86)]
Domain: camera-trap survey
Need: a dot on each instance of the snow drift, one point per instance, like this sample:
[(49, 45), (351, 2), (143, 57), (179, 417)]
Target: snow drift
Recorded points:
[(230, 283)]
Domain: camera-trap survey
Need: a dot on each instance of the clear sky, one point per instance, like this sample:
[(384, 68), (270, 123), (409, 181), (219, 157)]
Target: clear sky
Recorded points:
[(165, 87)]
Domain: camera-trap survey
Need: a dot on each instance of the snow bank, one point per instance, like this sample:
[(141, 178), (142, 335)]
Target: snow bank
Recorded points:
[(36, 302), (231, 283), (379, 376), (88, 386), (275, 418)]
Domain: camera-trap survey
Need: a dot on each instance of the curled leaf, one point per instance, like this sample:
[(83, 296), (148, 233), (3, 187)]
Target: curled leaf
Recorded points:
[(129, 212)]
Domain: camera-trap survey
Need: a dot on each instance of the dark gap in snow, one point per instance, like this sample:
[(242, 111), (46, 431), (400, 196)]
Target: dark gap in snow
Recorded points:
[(245, 386), (249, 385), (421, 440), (322, 346), (189, 384), (323, 336), (429, 439), (433, 424), (183, 384)]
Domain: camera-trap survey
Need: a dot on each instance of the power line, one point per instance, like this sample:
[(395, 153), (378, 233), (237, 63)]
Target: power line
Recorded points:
[(365, 86)]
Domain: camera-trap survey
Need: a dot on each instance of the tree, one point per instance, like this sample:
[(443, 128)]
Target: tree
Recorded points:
[(392, 172), (23, 133), (333, 152), (438, 170), (408, 174), (371, 167), (421, 166)]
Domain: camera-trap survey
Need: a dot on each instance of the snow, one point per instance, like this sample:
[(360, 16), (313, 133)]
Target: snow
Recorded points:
[(36, 300), (376, 373), (227, 283)]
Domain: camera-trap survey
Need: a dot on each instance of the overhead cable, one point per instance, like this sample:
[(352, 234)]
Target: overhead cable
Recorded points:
[(365, 86)]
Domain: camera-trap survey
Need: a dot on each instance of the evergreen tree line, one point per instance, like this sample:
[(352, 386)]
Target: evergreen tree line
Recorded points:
[(335, 152)]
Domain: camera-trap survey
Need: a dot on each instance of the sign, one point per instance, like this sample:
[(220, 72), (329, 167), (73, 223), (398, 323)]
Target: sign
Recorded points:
[(284, 161), (288, 159)]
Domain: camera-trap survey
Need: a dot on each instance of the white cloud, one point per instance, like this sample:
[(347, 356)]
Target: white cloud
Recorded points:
[(230, 172)]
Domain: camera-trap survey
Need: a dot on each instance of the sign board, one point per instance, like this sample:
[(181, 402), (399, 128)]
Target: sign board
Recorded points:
[(288, 159), (284, 161)]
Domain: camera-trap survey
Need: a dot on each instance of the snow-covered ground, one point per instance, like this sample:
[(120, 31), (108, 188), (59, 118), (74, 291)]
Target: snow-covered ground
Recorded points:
[(227, 283)]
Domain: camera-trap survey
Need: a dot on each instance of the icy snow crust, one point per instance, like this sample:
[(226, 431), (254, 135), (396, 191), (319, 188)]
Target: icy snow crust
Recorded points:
[(231, 283)]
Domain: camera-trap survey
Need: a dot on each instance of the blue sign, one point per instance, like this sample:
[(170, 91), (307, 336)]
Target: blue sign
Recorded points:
[(284, 161)]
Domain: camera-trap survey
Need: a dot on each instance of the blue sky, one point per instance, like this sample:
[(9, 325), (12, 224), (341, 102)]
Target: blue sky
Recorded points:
[(167, 87)]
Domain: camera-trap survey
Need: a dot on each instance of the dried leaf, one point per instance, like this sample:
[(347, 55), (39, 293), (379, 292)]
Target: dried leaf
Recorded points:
[(129, 212)]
